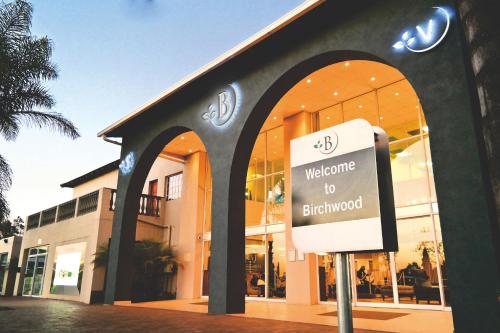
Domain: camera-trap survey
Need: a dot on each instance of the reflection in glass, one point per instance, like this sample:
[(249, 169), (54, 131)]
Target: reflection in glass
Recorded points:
[(409, 172), (255, 266), (206, 267), (276, 251), (326, 272), (275, 198), (254, 203), (416, 261), (372, 276)]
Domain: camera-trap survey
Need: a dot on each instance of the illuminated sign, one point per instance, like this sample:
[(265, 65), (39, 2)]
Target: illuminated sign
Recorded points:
[(426, 35), (224, 108), (67, 269), (127, 164), (336, 197)]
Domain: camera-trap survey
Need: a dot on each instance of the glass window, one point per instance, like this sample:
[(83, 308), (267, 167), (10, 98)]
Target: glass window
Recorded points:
[(275, 150), (173, 186), (255, 265), (68, 269), (327, 278), (276, 250), (257, 160), (255, 203), (416, 260), (409, 172), (442, 259), (275, 198), (372, 277), (206, 267), (398, 110)]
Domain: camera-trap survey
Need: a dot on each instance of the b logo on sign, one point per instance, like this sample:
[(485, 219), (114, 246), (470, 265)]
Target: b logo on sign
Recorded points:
[(327, 144), (224, 107)]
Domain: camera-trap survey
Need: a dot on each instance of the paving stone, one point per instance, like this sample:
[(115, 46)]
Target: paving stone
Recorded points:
[(22, 314)]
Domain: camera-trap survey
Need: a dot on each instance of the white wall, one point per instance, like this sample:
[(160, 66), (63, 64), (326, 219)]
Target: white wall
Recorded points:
[(161, 168)]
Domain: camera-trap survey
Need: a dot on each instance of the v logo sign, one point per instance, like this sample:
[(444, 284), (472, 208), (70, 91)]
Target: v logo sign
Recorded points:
[(426, 35)]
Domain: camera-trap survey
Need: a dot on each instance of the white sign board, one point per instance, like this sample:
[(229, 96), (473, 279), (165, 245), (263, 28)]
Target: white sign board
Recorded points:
[(335, 195)]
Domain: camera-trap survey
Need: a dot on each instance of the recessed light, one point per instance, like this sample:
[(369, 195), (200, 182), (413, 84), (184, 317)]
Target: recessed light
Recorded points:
[(328, 117), (274, 118), (416, 106), (182, 138), (274, 152), (381, 118), (347, 63), (360, 106), (372, 78), (190, 150), (309, 81), (302, 106), (275, 136), (397, 94), (335, 93)]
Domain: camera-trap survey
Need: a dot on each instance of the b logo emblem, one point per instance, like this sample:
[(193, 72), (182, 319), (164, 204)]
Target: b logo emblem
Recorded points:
[(221, 111), (327, 144)]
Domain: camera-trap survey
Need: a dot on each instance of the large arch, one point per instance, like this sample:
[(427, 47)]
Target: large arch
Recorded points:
[(263, 109), (136, 164)]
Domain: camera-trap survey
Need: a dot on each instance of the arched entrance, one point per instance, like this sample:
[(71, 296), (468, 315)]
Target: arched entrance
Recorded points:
[(333, 93), (169, 180)]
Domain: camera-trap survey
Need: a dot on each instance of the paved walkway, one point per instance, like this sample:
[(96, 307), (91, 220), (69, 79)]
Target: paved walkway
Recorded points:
[(19, 314)]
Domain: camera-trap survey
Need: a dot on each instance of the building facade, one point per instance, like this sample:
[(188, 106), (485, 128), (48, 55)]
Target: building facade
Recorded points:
[(445, 207)]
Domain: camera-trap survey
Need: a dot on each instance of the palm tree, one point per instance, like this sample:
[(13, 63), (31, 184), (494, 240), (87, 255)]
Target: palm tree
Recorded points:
[(24, 65)]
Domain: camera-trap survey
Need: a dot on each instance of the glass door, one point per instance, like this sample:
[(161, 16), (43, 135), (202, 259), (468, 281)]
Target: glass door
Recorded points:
[(35, 269)]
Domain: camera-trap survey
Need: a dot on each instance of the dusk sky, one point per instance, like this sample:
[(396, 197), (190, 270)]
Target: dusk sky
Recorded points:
[(113, 56)]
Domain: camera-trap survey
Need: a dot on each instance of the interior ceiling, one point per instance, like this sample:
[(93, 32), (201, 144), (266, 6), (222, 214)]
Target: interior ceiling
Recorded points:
[(341, 91)]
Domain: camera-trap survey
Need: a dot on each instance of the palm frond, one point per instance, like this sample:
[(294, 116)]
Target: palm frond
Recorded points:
[(52, 120), (15, 19), (5, 175), (4, 207)]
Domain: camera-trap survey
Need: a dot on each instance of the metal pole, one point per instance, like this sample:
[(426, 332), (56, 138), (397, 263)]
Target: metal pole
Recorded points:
[(344, 308)]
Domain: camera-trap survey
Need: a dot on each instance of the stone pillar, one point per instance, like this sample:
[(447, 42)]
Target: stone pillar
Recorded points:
[(121, 251), (191, 215), (301, 276), (227, 260)]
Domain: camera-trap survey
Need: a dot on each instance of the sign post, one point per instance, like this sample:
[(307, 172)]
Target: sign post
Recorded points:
[(342, 198)]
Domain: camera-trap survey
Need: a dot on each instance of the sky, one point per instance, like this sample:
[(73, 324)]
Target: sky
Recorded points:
[(114, 56)]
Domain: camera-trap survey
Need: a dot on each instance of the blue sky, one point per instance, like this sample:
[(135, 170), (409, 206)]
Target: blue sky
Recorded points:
[(114, 56)]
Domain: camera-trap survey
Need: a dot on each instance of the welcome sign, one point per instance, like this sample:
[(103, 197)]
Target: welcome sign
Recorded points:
[(335, 190)]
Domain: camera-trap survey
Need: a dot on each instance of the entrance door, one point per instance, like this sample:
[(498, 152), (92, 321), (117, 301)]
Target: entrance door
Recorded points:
[(35, 269)]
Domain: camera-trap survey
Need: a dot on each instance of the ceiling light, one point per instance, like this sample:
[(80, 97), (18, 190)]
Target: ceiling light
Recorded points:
[(381, 118), (309, 81), (335, 93), (182, 138), (328, 117), (425, 128), (275, 136), (416, 106), (190, 150), (360, 106), (347, 63), (274, 118), (302, 106), (372, 78), (397, 94)]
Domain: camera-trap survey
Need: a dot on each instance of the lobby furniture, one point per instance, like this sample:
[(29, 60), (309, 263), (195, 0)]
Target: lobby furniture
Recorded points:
[(403, 291)]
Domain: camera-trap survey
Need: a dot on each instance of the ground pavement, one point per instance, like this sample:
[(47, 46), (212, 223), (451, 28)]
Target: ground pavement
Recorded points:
[(20, 314)]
